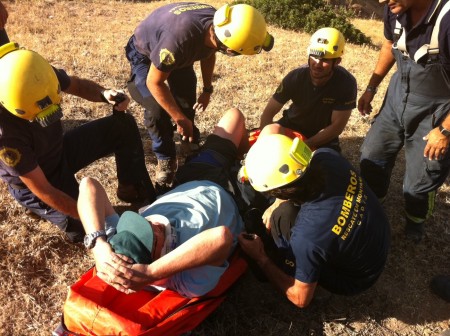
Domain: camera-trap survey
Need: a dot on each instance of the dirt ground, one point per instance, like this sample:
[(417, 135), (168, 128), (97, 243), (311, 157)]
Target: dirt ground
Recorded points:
[(86, 37)]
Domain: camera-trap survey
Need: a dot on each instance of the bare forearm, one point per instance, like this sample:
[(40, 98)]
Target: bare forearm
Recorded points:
[(86, 89), (164, 97), (332, 131), (210, 247), (323, 137), (60, 201), (298, 293), (207, 67), (282, 281), (266, 119), (271, 109), (385, 62), (37, 182), (446, 122)]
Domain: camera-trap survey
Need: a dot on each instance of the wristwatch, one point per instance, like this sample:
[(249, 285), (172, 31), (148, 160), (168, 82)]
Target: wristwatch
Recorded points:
[(444, 131), (89, 239), (208, 89)]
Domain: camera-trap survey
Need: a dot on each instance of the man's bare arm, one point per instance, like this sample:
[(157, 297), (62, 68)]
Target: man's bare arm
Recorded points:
[(37, 182)]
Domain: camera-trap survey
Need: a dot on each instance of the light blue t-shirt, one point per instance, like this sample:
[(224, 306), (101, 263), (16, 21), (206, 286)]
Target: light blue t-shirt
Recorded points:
[(191, 208)]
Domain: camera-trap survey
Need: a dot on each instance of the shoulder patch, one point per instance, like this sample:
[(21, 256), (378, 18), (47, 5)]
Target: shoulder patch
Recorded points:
[(166, 57), (280, 88), (10, 156)]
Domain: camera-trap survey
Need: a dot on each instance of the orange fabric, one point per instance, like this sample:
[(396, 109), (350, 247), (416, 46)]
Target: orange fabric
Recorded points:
[(254, 134), (95, 308), (293, 134)]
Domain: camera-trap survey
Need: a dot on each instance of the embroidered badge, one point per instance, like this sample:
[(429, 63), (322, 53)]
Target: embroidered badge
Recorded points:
[(166, 57), (280, 88), (10, 156)]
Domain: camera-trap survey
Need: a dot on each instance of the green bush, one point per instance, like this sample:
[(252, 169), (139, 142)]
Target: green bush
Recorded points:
[(308, 16)]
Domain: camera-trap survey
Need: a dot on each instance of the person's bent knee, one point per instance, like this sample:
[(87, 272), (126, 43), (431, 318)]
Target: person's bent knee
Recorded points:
[(272, 129), (124, 119), (236, 112), (87, 184), (232, 116)]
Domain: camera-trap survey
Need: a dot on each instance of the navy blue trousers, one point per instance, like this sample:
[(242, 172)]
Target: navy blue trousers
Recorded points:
[(117, 134), (182, 84)]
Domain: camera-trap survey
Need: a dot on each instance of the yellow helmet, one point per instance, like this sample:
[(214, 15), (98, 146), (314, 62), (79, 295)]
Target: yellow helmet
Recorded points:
[(327, 43), (276, 160), (242, 28), (29, 88)]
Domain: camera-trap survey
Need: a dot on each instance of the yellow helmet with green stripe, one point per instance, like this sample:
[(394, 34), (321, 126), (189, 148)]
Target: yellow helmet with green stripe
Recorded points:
[(242, 28), (276, 160)]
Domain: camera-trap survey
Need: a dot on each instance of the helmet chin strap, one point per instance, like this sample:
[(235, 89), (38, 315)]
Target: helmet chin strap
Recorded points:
[(49, 115)]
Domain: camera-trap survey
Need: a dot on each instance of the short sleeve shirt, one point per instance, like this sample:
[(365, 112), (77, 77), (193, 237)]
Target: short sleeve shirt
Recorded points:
[(343, 229), (24, 145), (420, 34), (173, 36), (312, 106), (191, 208), (196, 206)]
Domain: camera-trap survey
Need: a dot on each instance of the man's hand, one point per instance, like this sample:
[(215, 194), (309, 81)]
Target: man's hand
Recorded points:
[(185, 129), (252, 246), (3, 16), (202, 102), (364, 103), (118, 98), (437, 145), (131, 278), (268, 213), (110, 266)]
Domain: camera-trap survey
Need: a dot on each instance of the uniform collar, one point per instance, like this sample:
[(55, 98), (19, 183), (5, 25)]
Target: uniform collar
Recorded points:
[(429, 18)]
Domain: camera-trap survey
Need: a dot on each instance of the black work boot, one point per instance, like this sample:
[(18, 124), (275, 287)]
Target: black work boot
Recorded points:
[(414, 231), (131, 193), (165, 173), (440, 285)]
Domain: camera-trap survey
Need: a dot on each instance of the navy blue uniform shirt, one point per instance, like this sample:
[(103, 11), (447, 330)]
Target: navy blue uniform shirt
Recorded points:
[(173, 36), (311, 107), (420, 34), (343, 229)]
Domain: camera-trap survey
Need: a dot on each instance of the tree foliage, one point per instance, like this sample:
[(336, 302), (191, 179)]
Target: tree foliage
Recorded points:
[(308, 16)]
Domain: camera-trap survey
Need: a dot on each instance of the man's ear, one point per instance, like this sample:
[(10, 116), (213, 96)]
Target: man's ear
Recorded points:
[(337, 61), (210, 38)]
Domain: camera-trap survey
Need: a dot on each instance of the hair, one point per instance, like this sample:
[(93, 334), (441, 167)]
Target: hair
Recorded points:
[(304, 189)]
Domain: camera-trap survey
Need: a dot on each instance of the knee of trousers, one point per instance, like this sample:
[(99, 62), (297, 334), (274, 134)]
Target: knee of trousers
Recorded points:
[(376, 175), (125, 122), (419, 206), (283, 219), (159, 124), (141, 94)]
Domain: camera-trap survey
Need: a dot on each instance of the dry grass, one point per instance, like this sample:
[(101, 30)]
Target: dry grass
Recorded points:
[(87, 39)]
